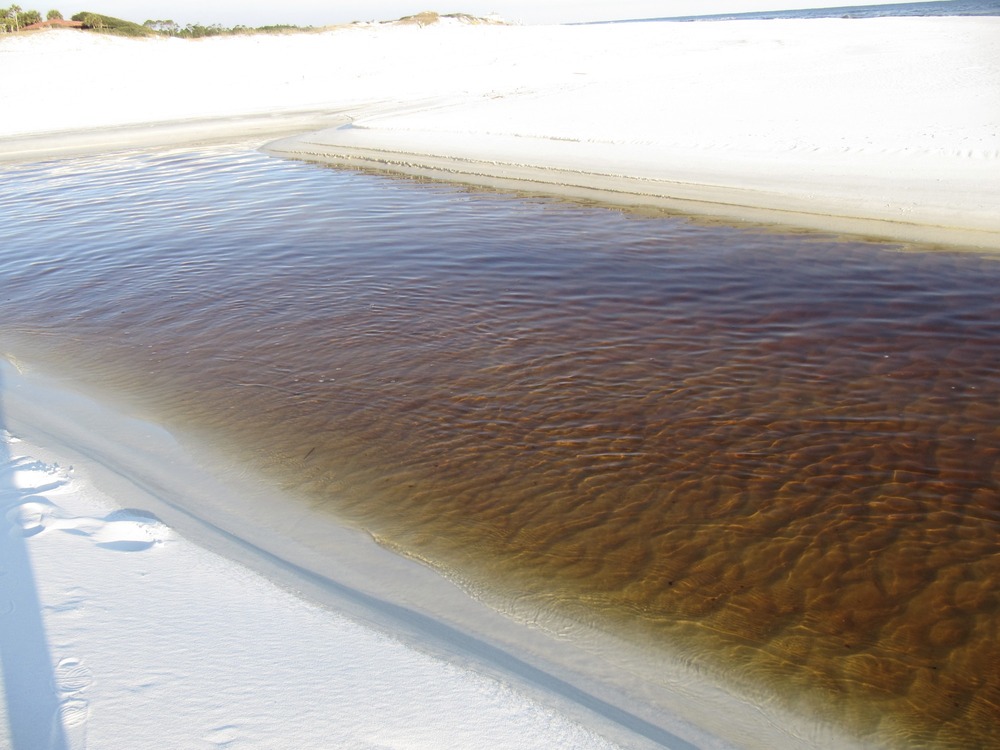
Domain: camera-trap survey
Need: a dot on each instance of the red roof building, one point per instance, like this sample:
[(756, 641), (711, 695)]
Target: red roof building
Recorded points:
[(54, 23)]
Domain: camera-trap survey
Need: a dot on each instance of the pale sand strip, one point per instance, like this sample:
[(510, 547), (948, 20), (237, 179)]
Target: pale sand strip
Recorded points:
[(842, 201), (193, 132)]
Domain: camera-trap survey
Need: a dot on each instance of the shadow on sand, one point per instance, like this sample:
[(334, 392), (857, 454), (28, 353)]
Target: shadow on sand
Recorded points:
[(29, 686)]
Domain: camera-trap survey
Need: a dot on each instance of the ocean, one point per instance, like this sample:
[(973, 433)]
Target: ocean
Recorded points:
[(930, 8), (776, 453)]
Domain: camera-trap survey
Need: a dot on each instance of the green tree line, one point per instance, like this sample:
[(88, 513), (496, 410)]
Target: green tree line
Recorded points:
[(197, 30), (15, 18)]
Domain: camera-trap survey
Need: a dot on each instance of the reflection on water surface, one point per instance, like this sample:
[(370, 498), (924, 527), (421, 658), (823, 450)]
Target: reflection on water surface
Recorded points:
[(778, 453)]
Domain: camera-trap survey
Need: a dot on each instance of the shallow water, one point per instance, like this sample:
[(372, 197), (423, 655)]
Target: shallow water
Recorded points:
[(777, 453)]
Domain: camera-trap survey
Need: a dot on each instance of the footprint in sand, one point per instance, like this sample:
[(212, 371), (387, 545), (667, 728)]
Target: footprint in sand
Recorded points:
[(222, 736), (130, 531), (30, 515), (26, 475), (122, 530), (72, 677)]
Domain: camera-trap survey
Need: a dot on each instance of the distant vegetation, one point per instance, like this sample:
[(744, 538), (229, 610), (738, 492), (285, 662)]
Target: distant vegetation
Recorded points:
[(196, 30), (110, 25), (16, 18)]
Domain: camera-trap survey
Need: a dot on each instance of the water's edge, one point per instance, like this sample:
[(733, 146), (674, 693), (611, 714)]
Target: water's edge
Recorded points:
[(634, 696)]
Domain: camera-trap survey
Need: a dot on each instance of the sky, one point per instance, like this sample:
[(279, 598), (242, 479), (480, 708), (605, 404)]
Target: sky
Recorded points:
[(326, 12)]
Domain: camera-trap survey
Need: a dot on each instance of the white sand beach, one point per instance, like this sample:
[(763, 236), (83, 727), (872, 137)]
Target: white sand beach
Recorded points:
[(128, 621), (885, 126)]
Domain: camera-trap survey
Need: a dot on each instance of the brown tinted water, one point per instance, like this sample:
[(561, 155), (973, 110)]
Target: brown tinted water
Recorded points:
[(775, 453)]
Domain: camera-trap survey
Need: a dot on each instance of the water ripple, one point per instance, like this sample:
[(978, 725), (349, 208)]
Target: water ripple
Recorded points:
[(779, 453)]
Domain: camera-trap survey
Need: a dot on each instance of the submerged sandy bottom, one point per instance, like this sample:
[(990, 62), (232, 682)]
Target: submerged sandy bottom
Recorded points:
[(137, 584), (114, 620)]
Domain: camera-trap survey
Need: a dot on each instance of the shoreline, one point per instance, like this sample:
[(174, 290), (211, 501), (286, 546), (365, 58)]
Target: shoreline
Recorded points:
[(573, 177), (620, 690), (155, 135), (331, 139), (194, 502), (881, 127)]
